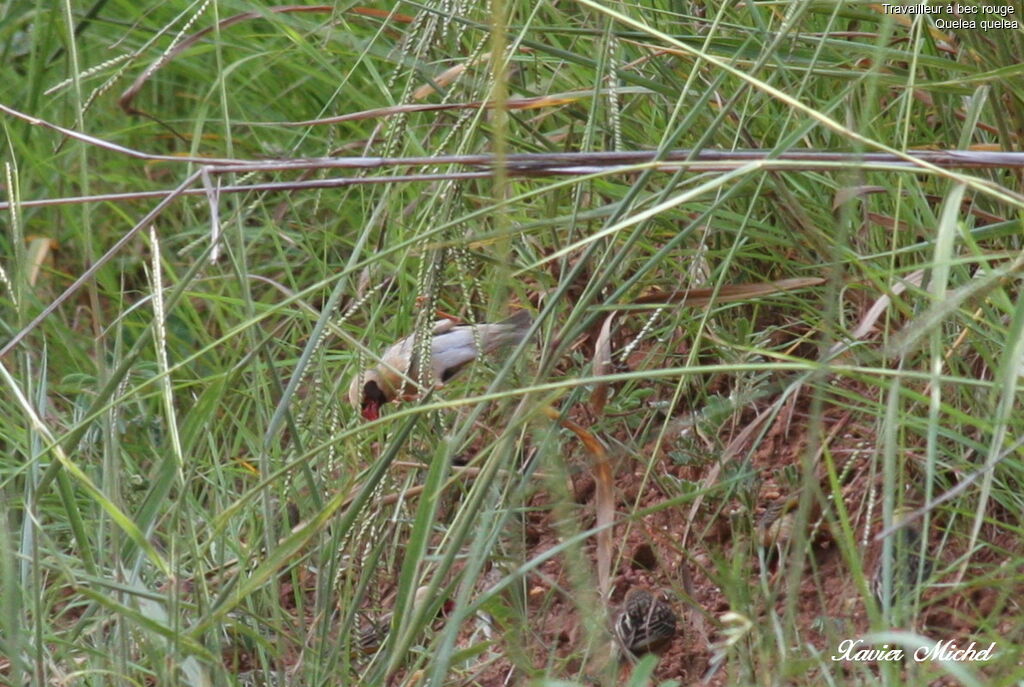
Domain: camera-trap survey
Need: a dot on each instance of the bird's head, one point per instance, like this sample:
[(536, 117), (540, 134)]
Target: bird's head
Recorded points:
[(369, 393)]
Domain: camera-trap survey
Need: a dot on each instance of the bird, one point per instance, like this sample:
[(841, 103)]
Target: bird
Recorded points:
[(373, 633), (776, 525), (909, 567), (452, 347), (645, 621)]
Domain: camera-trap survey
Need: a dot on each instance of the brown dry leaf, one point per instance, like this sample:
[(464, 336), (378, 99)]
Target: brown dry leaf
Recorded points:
[(382, 14), (729, 293), (969, 207), (926, 98), (888, 222), (602, 364), (881, 304), (443, 79), (604, 497), (923, 96), (448, 76), (848, 193), (38, 253)]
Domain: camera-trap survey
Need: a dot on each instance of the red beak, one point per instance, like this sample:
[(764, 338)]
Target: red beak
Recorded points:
[(371, 410)]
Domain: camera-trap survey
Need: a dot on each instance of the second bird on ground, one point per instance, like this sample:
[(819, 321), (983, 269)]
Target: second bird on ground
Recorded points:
[(645, 622), (452, 347)]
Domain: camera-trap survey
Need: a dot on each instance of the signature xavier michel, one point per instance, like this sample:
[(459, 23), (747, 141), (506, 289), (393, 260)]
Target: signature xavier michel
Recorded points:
[(852, 650)]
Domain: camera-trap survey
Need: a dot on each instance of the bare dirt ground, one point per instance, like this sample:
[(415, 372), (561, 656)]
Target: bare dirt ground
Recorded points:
[(739, 548), (652, 553)]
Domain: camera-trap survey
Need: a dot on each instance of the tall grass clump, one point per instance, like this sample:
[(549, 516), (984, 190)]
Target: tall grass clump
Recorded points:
[(750, 382)]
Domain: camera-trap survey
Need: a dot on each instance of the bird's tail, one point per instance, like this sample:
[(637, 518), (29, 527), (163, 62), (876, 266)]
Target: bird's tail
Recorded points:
[(521, 320), (508, 332)]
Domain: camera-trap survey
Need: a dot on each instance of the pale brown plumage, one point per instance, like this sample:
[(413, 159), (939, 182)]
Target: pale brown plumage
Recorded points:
[(452, 347)]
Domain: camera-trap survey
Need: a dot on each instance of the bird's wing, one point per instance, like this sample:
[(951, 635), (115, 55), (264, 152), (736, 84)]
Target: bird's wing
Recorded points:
[(447, 351), (507, 333), (452, 351)]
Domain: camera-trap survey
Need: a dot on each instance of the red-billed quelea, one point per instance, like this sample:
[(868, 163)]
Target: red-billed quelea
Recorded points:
[(452, 347), (910, 569)]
